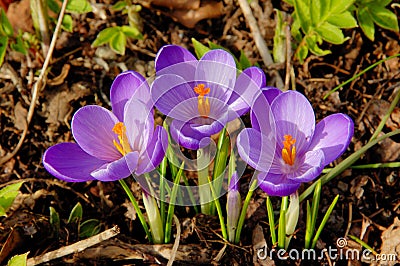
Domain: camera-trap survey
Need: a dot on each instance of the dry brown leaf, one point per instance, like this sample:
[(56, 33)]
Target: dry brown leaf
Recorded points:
[(20, 114), (391, 243), (177, 4), (190, 17)]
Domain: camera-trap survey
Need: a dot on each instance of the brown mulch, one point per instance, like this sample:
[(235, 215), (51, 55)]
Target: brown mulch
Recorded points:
[(369, 202)]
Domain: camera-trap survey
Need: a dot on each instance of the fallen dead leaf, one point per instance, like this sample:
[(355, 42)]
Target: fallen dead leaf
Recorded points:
[(20, 114)]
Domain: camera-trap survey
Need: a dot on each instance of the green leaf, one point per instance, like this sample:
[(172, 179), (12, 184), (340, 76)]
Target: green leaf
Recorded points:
[(339, 6), (303, 14), (118, 6), (330, 33), (243, 60), (105, 36), (19, 45), (18, 260), (302, 52), (89, 228), (76, 214), (312, 44), (366, 23), (132, 32), (343, 20), (383, 17), (67, 23), (316, 11), (118, 43), (5, 25), (199, 48), (78, 6), (3, 49), (53, 6), (54, 220), (279, 47), (8, 194)]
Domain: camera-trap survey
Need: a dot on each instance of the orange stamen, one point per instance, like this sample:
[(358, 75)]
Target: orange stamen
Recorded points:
[(289, 150), (122, 144), (203, 105)]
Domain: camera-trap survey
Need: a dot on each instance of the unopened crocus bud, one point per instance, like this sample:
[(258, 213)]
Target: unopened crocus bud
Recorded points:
[(233, 207), (153, 215), (292, 216)]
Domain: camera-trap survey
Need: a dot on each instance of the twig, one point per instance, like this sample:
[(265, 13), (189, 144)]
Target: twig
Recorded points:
[(259, 40), (176, 243), (288, 58), (74, 248), (39, 85)]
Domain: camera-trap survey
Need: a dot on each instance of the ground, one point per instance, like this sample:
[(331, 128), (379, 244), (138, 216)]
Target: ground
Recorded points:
[(79, 74)]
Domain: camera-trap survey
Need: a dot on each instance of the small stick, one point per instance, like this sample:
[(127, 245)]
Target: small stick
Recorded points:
[(176, 243), (39, 85), (74, 248), (259, 40)]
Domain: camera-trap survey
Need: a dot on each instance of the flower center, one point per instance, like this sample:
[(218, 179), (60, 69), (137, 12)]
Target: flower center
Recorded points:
[(122, 144), (203, 104), (289, 150)]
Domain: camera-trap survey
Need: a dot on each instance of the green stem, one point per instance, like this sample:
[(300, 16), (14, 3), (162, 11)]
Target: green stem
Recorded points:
[(203, 159), (219, 211), (137, 209), (163, 172), (253, 186), (282, 223), (271, 220)]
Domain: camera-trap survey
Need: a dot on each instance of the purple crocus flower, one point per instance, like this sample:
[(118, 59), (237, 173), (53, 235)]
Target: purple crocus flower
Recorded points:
[(111, 145), (285, 145), (201, 95)]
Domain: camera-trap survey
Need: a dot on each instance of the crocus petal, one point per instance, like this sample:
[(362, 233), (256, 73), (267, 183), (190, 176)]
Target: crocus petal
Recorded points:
[(173, 96), (247, 88), (271, 93), (173, 59), (256, 149), (139, 122), (68, 162), (124, 86), (332, 135), (217, 71), (261, 115), (184, 134), (311, 166), (154, 153), (276, 184), (294, 115), (92, 127), (118, 169)]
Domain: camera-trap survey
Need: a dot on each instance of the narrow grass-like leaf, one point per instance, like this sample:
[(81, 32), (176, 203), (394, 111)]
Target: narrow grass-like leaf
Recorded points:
[(89, 228), (6, 28), (54, 221), (314, 210), (137, 209), (308, 235), (171, 206), (271, 220), (244, 61), (282, 223), (376, 165), (359, 74), (363, 244), (346, 163), (163, 174), (279, 47), (324, 220), (242, 216), (3, 48), (219, 210)]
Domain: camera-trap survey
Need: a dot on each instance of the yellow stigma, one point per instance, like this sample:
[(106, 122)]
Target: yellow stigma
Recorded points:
[(203, 104), (122, 144), (289, 150)]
